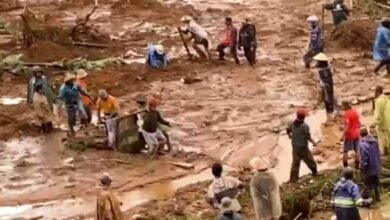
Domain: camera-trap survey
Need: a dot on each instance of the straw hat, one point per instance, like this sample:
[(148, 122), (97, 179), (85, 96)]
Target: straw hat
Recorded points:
[(159, 49), (186, 18), (69, 77), (259, 163), (80, 73), (321, 57), (312, 18)]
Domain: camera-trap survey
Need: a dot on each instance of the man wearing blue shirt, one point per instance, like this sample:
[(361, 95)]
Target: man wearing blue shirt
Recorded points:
[(156, 57), (70, 95)]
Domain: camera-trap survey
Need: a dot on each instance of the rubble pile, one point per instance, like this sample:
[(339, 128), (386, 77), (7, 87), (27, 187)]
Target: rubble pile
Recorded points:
[(359, 34)]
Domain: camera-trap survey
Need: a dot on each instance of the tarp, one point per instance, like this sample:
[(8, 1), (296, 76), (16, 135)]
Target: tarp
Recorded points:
[(127, 136)]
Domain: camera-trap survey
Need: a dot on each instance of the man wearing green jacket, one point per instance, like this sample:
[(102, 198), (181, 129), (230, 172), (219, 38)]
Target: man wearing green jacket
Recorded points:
[(382, 119)]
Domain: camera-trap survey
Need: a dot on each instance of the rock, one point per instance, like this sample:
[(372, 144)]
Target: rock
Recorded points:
[(70, 186), (22, 162), (138, 217), (71, 179), (15, 178)]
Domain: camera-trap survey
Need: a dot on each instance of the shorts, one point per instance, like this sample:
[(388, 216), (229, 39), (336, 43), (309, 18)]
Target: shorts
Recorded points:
[(203, 42), (154, 139), (350, 145)]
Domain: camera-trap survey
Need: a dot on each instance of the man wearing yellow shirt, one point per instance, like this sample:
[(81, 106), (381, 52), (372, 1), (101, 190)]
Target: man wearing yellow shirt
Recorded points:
[(108, 104)]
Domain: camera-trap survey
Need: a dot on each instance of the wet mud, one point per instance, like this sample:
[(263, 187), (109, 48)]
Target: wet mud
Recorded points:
[(230, 115)]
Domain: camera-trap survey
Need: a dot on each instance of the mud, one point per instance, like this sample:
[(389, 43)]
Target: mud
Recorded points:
[(355, 34), (229, 115)]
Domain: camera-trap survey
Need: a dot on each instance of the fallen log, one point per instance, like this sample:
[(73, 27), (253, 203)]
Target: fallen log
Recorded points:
[(183, 165), (87, 44)]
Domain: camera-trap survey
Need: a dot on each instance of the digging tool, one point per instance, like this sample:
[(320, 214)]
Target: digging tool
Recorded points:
[(185, 43)]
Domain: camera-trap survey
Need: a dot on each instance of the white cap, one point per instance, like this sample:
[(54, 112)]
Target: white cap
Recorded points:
[(312, 18), (186, 18), (159, 48)]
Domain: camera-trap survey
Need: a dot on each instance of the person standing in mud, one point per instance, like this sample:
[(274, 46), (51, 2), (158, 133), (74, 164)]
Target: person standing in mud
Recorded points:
[(382, 119), (223, 186), (154, 137), (70, 95), (230, 41), (247, 40), (326, 83), (382, 46), (107, 205), (370, 164), (42, 109), (340, 11), (201, 42), (347, 198), (351, 133), (39, 79), (316, 44), (299, 133), (81, 80), (264, 190)]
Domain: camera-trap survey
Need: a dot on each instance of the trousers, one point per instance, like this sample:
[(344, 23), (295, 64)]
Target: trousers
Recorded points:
[(233, 51), (250, 55), (300, 154)]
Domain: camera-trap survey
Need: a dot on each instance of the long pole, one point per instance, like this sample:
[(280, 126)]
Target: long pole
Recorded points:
[(185, 43)]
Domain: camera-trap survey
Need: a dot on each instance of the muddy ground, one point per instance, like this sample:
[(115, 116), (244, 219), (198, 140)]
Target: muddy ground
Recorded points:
[(230, 115)]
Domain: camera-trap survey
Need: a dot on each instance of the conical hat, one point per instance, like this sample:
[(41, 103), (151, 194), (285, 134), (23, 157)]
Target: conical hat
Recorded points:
[(321, 57)]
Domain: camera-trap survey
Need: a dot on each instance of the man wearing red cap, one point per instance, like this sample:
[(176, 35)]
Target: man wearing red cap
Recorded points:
[(299, 133), (154, 137)]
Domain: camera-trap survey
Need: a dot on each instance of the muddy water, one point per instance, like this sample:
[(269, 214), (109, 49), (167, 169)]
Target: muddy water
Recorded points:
[(64, 209), (5, 100), (86, 205)]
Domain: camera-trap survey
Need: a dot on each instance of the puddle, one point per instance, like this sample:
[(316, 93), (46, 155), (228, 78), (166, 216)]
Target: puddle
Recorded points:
[(5, 100)]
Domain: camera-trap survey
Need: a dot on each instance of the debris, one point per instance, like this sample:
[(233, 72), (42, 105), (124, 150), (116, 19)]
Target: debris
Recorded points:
[(87, 44), (36, 217), (22, 162), (190, 79), (70, 185), (138, 217), (183, 165), (359, 34), (68, 160), (82, 25)]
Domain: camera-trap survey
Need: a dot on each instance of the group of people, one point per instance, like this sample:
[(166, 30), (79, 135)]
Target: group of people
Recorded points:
[(243, 39), (79, 104), (73, 94)]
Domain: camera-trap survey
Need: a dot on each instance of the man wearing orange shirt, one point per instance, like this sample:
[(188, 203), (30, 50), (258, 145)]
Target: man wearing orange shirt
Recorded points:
[(108, 104), (81, 81), (230, 41), (351, 134)]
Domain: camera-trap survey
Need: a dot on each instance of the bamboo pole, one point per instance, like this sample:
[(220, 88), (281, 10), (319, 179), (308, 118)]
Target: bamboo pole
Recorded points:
[(185, 43)]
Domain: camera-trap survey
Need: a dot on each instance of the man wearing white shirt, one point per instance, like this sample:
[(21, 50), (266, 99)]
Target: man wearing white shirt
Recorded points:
[(201, 42)]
